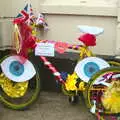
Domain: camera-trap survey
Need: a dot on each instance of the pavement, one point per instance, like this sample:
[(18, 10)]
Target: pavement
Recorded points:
[(49, 106)]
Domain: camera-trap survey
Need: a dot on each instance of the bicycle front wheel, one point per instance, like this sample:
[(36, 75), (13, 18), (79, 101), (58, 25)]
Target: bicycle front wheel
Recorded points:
[(19, 95)]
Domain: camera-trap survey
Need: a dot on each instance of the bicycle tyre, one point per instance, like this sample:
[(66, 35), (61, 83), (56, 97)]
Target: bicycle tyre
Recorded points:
[(19, 103), (113, 63), (68, 93), (99, 93)]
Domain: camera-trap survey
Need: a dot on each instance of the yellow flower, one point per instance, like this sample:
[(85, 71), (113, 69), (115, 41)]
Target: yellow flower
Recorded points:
[(111, 98), (70, 82)]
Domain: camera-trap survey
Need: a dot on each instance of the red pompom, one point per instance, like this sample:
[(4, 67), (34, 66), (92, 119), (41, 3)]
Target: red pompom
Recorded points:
[(88, 39)]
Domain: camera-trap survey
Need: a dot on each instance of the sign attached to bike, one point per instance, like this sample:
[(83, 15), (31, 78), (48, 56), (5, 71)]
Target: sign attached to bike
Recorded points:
[(45, 49)]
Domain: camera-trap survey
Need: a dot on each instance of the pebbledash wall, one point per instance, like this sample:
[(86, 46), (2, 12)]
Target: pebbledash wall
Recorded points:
[(63, 17)]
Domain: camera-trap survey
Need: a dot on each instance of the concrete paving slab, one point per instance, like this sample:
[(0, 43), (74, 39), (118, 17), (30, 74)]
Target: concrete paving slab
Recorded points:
[(49, 106)]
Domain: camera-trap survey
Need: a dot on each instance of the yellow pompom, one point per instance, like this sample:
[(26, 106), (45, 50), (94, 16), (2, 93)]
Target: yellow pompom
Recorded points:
[(111, 98), (70, 82)]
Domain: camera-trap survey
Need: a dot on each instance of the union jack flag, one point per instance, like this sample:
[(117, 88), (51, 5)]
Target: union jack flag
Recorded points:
[(31, 15), (26, 15), (23, 16)]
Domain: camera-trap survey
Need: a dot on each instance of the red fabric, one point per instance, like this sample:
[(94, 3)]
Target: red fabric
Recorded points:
[(28, 41), (88, 39), (61, 47)]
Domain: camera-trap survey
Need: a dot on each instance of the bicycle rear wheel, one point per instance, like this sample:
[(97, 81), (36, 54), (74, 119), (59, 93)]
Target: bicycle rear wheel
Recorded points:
[(114, 63), (19, 95), (103, 92)]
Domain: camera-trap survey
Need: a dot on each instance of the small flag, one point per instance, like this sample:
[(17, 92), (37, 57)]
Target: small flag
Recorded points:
[(31, 15), (41, 21), (23, 16)]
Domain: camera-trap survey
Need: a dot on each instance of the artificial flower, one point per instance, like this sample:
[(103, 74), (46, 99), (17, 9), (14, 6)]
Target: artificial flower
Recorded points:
[(88, 39)]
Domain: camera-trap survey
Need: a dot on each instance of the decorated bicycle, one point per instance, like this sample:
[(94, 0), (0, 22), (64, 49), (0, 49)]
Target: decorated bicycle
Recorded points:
[(20, 77)]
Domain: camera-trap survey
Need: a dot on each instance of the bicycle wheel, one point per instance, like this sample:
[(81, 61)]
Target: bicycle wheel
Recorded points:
[(113, 63), (103, 92), (69, 93), (19, 95)]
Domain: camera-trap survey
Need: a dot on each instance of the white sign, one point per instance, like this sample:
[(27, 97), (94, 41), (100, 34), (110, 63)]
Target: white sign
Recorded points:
[(45, 49)]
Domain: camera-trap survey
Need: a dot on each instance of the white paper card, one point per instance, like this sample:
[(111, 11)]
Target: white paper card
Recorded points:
[(45, 49)]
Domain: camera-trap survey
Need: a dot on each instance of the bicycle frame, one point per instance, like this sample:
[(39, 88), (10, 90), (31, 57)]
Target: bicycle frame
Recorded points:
[(84, 51)]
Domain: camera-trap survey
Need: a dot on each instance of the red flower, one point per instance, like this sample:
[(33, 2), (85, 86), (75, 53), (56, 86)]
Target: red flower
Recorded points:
[(88, 39)]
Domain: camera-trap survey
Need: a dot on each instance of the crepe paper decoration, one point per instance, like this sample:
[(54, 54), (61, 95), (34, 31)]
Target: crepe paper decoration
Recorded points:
[(102, 80), (111, 97), (70, 83), (25, 33), (17, 72), (28, 41), (61, 47), (52, 68), (89, 66), (24, 38), (88, 39), (19, 89), (40, 21)]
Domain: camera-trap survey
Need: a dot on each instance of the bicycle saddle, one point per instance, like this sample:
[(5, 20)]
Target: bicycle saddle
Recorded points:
[(91, 29)]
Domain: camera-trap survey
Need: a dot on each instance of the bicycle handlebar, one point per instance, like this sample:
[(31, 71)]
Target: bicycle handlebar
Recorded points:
[(62, 44)]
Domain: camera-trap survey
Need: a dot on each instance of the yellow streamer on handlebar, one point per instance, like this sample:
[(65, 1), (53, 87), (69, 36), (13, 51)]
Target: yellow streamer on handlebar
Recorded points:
[(85, 52), (17, 39)]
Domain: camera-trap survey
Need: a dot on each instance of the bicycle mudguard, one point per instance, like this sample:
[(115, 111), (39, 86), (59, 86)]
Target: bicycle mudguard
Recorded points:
[(17, 71)]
